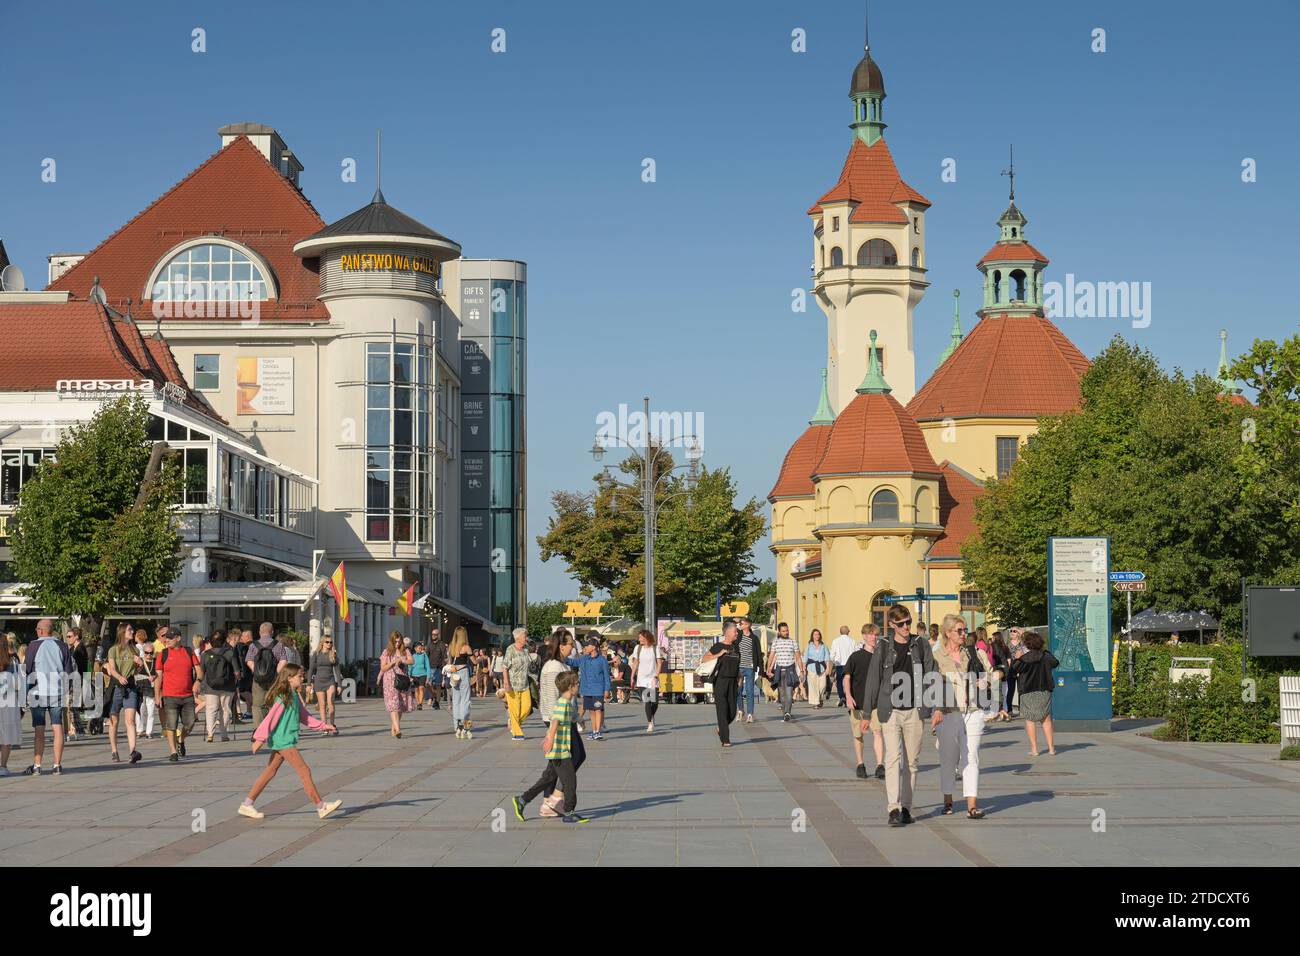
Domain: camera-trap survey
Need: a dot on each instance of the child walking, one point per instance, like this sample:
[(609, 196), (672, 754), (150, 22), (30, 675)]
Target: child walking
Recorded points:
[(560, 772), (279, 731)]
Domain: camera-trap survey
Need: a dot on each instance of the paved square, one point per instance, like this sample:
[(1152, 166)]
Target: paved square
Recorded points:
[(673, 798)]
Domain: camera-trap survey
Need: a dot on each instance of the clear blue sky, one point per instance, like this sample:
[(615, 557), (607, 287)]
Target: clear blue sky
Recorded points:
[(1129, 168)]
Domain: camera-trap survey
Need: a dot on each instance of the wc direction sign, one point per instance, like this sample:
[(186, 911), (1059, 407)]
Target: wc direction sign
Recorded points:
[(1128, 575)]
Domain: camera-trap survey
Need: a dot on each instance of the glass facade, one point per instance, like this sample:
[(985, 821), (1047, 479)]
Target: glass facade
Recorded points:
[(399, 442), (494, 429)]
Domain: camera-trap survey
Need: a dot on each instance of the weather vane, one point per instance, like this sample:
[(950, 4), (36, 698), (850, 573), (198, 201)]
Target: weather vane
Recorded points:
[(1010, 172)]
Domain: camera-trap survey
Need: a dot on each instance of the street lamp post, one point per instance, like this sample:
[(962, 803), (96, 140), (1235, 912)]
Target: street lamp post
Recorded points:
[(648, 454)]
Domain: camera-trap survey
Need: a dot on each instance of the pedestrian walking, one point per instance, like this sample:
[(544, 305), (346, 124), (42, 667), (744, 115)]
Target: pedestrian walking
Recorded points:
[(459, 680), (179, 679), (816, 663), (1001, 661), (647, 662), (144, 686), (894, 684), (395, 681), (437, 661), (74, 722), (244, 696), (122, 662), (784, 668), (498, 665), (48, 667), (279, 731), (264, 658), (967, 690), (1033, 672), (726, 679), (751, 667), (1016, 649), (560, 775), (557, 657), (325, 678), (514, 681), (862, 718), (842, 648), (220, 668), (11, 702), (594, 686), (420, 672)]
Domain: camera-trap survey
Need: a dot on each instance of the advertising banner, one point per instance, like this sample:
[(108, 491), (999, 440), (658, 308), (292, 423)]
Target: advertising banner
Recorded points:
[(265, 386), (1078, 615)]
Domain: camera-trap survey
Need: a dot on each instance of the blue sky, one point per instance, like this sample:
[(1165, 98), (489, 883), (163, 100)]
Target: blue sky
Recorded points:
[(1128, 161)]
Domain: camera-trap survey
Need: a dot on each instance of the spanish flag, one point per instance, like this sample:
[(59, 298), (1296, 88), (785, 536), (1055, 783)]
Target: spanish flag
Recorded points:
[(404, 602), (339, 588)]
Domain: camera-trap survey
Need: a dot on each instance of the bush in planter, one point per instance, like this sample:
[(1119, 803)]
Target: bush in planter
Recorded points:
[(1291, 752), (1213, 711)]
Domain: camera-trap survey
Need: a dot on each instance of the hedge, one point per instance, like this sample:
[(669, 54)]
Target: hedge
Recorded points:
[(1201, 710)]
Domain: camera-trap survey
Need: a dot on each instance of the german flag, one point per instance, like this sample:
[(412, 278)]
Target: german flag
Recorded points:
[(339, 588), (404, 602)]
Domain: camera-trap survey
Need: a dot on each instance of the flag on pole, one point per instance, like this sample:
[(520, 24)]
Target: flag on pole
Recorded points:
[(339, 588), (404, 602), (419, 605)]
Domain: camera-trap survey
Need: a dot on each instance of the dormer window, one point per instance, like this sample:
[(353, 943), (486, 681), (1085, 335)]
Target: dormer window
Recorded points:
[(211, 271)]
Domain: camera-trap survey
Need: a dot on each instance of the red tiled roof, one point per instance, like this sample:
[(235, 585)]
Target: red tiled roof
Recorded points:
[(1014, 252), (957, 494), (874, 433), (871, 180), (237, 194), (1018, 366), (795, 479), (105, 346)]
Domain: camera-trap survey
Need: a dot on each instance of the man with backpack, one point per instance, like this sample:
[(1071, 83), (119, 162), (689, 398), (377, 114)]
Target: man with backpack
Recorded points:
[(263, 662), (177, 683), (220, 668)]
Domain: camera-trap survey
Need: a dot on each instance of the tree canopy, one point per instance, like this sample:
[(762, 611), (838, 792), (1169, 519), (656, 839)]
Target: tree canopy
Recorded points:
[(80, 543), (703, 542), (1157, 462)]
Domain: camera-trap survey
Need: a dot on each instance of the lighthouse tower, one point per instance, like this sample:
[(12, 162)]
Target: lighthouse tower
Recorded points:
[(869, 253)]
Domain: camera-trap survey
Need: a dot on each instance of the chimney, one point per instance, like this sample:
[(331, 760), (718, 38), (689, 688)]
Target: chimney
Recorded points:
[(268, 143), (61, 262)]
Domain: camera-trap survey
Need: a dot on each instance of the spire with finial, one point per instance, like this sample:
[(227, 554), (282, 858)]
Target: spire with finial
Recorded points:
[(955, 335), (874, 383), (823, 415), (1010, 171), (1012, 221), (379, 169), (1227, 385), (867, 91)]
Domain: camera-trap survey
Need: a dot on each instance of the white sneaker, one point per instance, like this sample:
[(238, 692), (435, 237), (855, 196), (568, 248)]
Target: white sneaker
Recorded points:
[(252, 812), (329, 808), (4, 771), (650, 727)]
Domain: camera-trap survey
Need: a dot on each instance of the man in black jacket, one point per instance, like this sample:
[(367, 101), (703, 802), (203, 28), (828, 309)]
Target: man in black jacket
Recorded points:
[(895, 684)]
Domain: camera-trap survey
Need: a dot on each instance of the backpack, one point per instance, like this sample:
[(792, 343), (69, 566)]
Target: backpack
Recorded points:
[(217, 669), (264, 666)]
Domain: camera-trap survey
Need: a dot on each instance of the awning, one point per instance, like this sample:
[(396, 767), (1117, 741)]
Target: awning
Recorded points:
[(462, 611), (260, 594), (1173, 621)]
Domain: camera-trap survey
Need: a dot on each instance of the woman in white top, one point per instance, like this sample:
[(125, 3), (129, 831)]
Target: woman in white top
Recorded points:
[(646, 665), (967, 673), (557, 658)]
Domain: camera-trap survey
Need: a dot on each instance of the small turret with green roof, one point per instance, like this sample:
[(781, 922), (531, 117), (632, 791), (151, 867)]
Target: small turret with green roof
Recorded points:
[(823, 415), (874, 383), (1227, 386), (954, 338)]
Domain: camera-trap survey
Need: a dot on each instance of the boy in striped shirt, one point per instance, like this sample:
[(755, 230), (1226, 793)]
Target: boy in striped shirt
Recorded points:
[(558, 747)]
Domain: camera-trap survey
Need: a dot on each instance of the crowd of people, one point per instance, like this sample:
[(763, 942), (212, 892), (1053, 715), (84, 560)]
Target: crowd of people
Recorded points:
[(945, 678)]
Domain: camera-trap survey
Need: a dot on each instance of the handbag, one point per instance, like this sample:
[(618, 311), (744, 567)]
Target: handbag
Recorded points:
[(401, 679), (705, 671)]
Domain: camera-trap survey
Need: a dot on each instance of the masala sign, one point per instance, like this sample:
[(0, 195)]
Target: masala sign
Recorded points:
[(264, 386)]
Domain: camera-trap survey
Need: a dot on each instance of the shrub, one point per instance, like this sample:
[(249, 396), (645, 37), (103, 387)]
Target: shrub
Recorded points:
[(1291, 752)]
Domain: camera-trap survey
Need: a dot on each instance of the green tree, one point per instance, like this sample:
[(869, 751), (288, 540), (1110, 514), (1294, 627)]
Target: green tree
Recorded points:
[(543, 616), (703, 543), (1147, 461), (90, 533), (759, 612)]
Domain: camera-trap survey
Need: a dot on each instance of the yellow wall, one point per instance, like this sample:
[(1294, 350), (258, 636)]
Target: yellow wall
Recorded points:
[(972, 443)]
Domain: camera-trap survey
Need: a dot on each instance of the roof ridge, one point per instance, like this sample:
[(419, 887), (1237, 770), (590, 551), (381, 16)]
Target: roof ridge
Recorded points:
[(120, 350), (177, 185)]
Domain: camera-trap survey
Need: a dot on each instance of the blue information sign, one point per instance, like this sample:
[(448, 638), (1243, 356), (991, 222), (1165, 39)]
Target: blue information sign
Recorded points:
[(1078, 615), (1128, 575)]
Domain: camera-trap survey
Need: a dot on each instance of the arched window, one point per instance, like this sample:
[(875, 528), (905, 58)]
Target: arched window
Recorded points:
[(884, 506), (837, 256), (210, 272), (997, 286), (916, 258), (1013, 232), (1018, 285), (924, 507), (879, 609), (877, 252)]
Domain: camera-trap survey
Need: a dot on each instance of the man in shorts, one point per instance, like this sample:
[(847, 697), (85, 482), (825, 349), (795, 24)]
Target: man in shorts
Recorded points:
[(854, 690), (594, 686), (176, 686), (48, 666)]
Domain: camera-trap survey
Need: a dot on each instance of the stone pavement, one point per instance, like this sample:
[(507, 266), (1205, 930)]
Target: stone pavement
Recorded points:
[(672, 798)]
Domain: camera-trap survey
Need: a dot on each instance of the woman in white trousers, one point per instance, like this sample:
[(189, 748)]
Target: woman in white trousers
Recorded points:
[(967, 675)]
